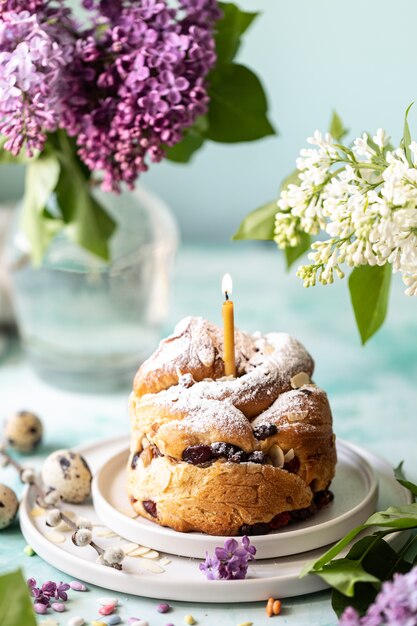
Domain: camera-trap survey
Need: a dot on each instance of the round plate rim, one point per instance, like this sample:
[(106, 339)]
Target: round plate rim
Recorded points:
[(270, 545), (253, 589)]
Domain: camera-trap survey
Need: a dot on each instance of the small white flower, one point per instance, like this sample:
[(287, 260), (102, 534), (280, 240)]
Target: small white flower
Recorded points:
[(82, 537), (362, 148), (113, 556), (413, 148), (28, 475), (53, 517), (52, 498), (381, 138)]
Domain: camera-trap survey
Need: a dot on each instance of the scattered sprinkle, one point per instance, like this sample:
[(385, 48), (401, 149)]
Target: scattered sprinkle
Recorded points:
[(107, 610), (40, 608), (37, 511), (76, 621), (163, 607), (55, 537), (77, 586), (246, 624), (140, 622), (107, 600), (273, 607), (49, 621), (133, 620), (112, 620), (59, 607), (189, 619), (95, 623), (29, 551)]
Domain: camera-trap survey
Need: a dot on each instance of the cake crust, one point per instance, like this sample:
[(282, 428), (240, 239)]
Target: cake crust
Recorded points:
[(216, 455)]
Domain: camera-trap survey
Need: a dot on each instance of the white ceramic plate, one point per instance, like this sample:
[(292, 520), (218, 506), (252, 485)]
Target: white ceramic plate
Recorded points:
[(181, 579), (355, 489)]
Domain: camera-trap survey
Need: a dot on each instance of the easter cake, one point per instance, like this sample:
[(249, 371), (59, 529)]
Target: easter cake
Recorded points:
[(228, 455)]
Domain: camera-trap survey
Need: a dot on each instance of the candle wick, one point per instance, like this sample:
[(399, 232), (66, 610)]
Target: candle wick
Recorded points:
[(226, 295)]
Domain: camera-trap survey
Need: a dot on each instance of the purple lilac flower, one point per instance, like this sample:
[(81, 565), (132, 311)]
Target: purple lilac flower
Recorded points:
[(126, 87), (48, 592), (126, 107), (229, 562), (395, 605), (21, 5), (30, 60), (61, 591)]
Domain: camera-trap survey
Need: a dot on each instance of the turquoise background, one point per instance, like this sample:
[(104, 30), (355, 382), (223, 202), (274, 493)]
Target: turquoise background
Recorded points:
[(357, 57), (372, 392)]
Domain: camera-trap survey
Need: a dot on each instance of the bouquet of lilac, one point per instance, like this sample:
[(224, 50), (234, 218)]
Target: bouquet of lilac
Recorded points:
[(94, 101)]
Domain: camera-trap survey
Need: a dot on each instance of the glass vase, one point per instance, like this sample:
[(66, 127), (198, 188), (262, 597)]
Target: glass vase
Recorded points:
[(85, 324)]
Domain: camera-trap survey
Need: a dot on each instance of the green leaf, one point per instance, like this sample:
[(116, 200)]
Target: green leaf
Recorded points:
[(401, 478), (238, 105), (399, 517), (259, 224), (336, 128), (315, 566), (15, 603), (41, 178), (229, 30), (406, 140), (88, 224), (343, 574), (369, 291), (183, 151), (294, 253), (364, 595), (192, 141), (395, 518), (379, 559)]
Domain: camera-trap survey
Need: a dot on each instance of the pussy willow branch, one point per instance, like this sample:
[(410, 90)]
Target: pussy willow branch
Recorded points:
[(40, 499)]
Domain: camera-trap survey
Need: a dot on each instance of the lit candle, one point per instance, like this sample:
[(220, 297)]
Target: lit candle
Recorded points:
[(229, 328)]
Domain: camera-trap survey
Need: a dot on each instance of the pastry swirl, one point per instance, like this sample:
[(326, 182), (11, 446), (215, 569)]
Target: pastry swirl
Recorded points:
[(224, 456)]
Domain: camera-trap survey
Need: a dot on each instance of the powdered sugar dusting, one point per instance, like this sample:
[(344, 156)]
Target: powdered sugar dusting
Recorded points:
[(267, 363), (216, 417), (195, 346)]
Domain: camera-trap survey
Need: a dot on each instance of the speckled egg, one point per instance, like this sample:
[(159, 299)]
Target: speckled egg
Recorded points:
[(69, 474), (8, 506), (23, 431)]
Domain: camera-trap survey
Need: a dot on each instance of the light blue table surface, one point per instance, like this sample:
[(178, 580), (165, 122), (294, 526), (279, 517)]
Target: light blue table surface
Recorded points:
[(372, 390)]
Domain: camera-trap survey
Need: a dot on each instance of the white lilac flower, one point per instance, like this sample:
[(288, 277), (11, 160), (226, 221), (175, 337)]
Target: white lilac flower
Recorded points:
[(361, 147), (366, 207), (381, 139)]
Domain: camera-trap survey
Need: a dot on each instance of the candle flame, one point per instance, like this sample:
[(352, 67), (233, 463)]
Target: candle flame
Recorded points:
[(227, 285)]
